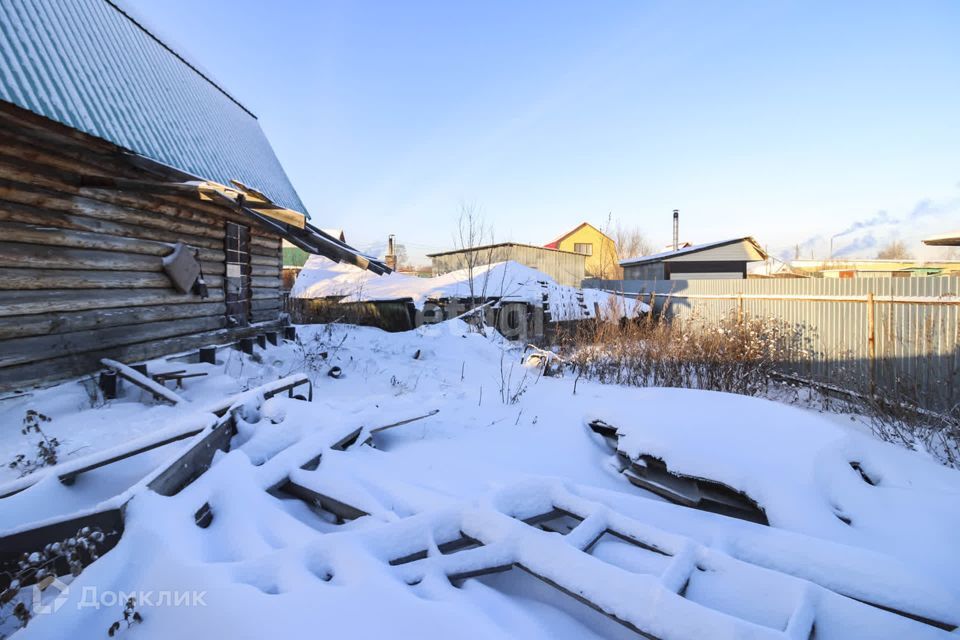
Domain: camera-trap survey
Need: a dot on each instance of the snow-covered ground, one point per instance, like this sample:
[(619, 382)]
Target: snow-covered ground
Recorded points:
[(504, 444), (506, 281)]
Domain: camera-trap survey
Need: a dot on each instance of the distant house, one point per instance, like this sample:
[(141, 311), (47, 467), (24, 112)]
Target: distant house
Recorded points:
[(875, 268), (599, 249), (142, 205), (566, 267), (724, 260)]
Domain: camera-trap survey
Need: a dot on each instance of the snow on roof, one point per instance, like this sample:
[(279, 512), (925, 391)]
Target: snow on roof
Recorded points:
[(951, 239), (88, 65), (508, 281), (666, 255), (336, 233)]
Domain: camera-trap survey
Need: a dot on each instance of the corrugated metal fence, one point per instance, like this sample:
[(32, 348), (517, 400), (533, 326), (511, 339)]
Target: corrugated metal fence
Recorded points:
[(894, 334)]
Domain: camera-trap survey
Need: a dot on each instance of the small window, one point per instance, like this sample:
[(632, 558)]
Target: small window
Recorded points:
[(585, 248)]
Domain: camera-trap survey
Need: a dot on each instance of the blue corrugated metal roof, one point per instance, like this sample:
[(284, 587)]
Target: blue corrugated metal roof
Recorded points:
[(87, 64)]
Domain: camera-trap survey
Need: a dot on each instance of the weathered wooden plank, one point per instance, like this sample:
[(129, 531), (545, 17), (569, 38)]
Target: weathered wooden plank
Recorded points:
[(22, 350), (19, 279), (149, 385), (19, 223), (195, 461), (71, 365), (71, 476), (19, 303), (341, 509), (37, 256), (60, 322)]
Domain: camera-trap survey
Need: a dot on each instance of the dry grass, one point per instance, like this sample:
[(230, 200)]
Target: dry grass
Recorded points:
[(737, 357)]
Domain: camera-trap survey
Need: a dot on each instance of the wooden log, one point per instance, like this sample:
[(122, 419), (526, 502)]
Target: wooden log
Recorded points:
[(62, 164), (268, 261), (272, 271), (265, 283), (18, 303), (32, 349), (206, 233), (61, 322), (74, 171), (20, 279), (59, 229), (97, 208), (51, 188), (14, 254)]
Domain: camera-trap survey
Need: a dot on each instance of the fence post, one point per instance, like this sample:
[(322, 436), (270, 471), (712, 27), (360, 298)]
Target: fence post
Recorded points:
[(871, 339), (740, 308)]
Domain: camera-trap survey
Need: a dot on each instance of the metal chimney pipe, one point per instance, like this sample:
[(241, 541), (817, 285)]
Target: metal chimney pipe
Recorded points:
[(391, 257), (676, 229)]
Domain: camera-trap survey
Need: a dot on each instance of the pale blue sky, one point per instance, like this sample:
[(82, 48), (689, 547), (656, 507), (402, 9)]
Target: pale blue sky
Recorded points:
[(784, 120)]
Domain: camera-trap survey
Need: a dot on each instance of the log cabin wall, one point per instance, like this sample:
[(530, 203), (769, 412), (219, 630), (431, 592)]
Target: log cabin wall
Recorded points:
[(81, 273)]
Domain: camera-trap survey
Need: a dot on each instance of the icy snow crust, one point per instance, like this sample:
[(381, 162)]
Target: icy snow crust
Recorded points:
[(273, 566), (508, 281)]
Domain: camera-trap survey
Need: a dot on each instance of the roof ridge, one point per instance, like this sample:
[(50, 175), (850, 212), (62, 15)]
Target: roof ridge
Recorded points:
[(179, 57)]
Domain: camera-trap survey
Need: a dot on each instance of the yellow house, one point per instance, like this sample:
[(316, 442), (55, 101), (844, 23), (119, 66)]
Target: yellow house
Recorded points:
[(602, 260)]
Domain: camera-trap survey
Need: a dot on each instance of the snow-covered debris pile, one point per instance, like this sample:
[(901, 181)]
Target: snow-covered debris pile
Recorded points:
[(505, 281), (501, 515), (807, 473)]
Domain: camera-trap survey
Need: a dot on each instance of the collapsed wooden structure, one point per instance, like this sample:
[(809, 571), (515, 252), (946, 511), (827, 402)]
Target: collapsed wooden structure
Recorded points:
[(652, 474), (556, 536)]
